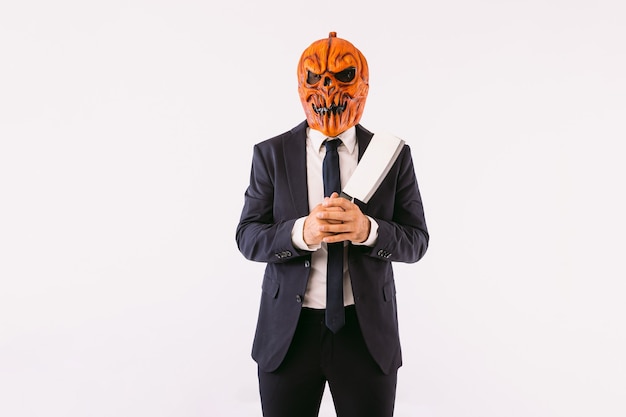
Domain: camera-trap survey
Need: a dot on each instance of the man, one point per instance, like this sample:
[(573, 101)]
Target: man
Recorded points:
[(294, 220)]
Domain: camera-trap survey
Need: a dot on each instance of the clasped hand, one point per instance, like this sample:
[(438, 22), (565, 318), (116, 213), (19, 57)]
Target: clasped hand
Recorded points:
[(335, 220)]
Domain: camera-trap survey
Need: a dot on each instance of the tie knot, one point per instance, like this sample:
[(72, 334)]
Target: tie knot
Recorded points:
[(331, 144)]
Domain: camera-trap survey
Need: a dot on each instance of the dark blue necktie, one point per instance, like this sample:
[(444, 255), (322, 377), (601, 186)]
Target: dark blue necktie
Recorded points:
[(334, 280)]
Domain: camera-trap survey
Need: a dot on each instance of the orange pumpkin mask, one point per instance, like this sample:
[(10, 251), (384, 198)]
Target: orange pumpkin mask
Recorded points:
[(333, 84)]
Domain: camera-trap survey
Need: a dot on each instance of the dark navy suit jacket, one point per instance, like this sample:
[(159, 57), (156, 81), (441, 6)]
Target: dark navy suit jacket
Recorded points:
[(276, 197)]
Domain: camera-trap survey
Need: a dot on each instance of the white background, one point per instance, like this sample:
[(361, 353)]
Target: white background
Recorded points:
[(126, 133)]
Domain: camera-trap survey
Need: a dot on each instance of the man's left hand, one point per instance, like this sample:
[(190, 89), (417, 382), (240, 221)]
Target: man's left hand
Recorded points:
[(349, 223)]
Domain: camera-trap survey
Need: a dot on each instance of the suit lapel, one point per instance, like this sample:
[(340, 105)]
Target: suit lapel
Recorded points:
[(363, 137), (294, 145)]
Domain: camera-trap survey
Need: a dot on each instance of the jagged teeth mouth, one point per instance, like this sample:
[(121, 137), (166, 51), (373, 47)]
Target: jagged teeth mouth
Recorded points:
[(333, 109)]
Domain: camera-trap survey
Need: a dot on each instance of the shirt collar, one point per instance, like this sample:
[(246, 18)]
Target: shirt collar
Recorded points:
[(348, 138)]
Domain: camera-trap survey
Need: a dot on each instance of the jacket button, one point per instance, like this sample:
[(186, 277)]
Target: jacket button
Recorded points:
[(307, 264), (298, 298)]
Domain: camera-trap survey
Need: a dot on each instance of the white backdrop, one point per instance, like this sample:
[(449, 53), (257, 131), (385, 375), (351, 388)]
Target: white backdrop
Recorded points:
[(122, 292)]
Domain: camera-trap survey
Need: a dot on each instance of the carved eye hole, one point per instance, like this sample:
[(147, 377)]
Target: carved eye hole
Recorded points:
[(346, 75), (313, 78)]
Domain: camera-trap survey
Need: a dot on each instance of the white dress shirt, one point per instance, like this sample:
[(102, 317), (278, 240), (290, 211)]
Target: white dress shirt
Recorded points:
[(315, 296)]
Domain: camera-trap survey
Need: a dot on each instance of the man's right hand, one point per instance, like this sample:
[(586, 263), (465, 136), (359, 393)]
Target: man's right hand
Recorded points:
[(313, 225)]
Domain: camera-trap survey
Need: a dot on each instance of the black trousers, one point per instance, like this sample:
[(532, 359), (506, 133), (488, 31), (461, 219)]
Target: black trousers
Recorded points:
[(316, 356)]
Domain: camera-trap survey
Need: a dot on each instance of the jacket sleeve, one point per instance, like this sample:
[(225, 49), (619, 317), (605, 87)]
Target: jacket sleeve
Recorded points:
[(262, 235), (402, 232)]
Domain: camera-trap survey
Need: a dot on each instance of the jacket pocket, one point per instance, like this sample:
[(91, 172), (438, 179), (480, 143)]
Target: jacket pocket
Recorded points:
[(389, 291), (270, 286)]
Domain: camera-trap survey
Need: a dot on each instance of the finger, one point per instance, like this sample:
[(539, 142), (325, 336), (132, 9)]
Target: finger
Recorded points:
[(337, 228), (335, 201), (332, 213), (338, 237)]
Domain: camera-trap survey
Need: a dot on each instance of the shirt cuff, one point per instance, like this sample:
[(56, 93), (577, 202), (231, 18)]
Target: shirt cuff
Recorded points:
[(297, 236), (373, 236)]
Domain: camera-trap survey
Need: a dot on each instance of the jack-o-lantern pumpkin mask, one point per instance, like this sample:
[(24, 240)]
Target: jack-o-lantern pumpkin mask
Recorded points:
[(333, 84)]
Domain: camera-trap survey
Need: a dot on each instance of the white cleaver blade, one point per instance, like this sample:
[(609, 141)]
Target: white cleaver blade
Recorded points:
[(379, 157)]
